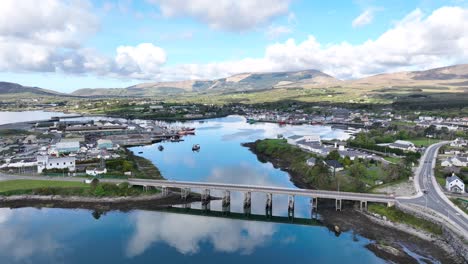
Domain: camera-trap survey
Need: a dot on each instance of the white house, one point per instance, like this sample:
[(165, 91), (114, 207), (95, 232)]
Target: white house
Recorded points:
[(47, 162), (293, 139), (311, 162), (454, 184), (456, 161), (403, 145), (459, 142)]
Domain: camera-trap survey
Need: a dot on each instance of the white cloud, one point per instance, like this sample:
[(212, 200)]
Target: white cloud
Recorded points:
[(48, 37), (364, 18), (231, 15), (415, 42), (274, 32), (35, 36), (140, 61), (51, 22)]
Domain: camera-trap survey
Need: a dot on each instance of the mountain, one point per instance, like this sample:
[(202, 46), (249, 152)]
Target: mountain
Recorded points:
[(235, 83), (451, 76), (14, 89)]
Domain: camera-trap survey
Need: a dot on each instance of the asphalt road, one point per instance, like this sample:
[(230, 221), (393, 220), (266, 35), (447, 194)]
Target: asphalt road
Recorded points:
[(431, 196)]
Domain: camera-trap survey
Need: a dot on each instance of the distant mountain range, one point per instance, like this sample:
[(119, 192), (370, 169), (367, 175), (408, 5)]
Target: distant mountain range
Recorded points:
[(235, 83), (451, 76), (7, 88)]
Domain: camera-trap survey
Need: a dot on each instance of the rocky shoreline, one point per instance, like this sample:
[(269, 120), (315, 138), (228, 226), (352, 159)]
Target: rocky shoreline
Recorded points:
[(95, 203), (396, 243), (392, 240)]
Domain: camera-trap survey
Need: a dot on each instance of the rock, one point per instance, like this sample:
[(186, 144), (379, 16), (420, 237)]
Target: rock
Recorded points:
[(337, 229)]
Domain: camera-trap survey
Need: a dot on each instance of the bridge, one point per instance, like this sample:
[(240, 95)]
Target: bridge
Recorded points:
[(185, 190)]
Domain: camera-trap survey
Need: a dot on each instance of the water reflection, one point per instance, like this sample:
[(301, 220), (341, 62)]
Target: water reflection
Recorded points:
[(17, 243), (186, 233)]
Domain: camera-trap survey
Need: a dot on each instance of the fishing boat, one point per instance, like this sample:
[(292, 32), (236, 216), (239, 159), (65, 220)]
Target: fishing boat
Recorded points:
[(196, 147), (161, 148)]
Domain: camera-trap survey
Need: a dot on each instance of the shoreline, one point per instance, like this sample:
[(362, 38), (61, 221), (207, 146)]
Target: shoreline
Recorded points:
[(391, 240), (95, 203), (297, 180)]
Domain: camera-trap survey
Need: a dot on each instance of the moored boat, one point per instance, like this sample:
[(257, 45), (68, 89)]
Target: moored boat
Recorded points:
[(196, 147)]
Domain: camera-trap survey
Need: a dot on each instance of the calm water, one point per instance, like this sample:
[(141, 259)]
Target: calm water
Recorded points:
[(31, 235), (13, 117)]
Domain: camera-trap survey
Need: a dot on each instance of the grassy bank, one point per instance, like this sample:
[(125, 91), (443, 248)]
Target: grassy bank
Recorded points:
[(461, 203), (293, 160), (424, 142), (13, 185), (65, 188), (129, 162), (398, 216)]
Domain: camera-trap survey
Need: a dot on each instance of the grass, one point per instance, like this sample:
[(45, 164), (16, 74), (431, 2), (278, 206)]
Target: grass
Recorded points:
[(423, 141), (461, 203), (393, 159), (34, 184), (38, 187), (398, 216)]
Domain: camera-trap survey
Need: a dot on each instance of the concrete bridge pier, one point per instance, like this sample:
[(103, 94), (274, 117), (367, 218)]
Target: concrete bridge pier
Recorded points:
[(164, 191), (227, 198), (247, 199), (314, 206), (247, 210), (206, 206), (363, 205), (291, 203), (205, 195), (184, 193), (269, 205), (338, 204)]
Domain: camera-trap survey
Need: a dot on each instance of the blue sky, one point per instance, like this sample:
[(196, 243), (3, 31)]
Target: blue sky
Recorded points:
[(120, 43)]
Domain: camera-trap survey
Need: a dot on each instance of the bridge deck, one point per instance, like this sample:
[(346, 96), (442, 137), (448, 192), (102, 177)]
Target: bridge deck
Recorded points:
[(382, 198)]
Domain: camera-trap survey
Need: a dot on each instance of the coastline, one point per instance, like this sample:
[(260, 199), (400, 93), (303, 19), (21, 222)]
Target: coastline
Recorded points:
[(391, 246), (391, 241), (297, 180), (95, 203)]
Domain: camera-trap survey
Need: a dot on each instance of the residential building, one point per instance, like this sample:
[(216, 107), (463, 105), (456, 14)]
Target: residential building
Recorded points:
[(334, 165), (311, 162), (454, 184), (67, 146), (47, 162), (105, 144), (403, 145), (456, 161)]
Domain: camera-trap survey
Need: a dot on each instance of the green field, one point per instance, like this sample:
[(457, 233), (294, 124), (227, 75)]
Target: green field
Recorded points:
[(423, 141), (392, 159), (14, 185), (64, 188)]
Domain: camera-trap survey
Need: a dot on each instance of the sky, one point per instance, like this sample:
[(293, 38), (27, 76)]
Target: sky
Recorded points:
[(67, 45)]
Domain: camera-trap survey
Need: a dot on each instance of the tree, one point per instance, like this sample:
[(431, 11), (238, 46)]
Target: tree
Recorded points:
[(333, 155), (347, 161), (357, 170)]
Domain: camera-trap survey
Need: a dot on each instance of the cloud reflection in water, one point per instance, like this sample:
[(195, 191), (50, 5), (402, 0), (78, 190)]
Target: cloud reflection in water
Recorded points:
[(185, 233)]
